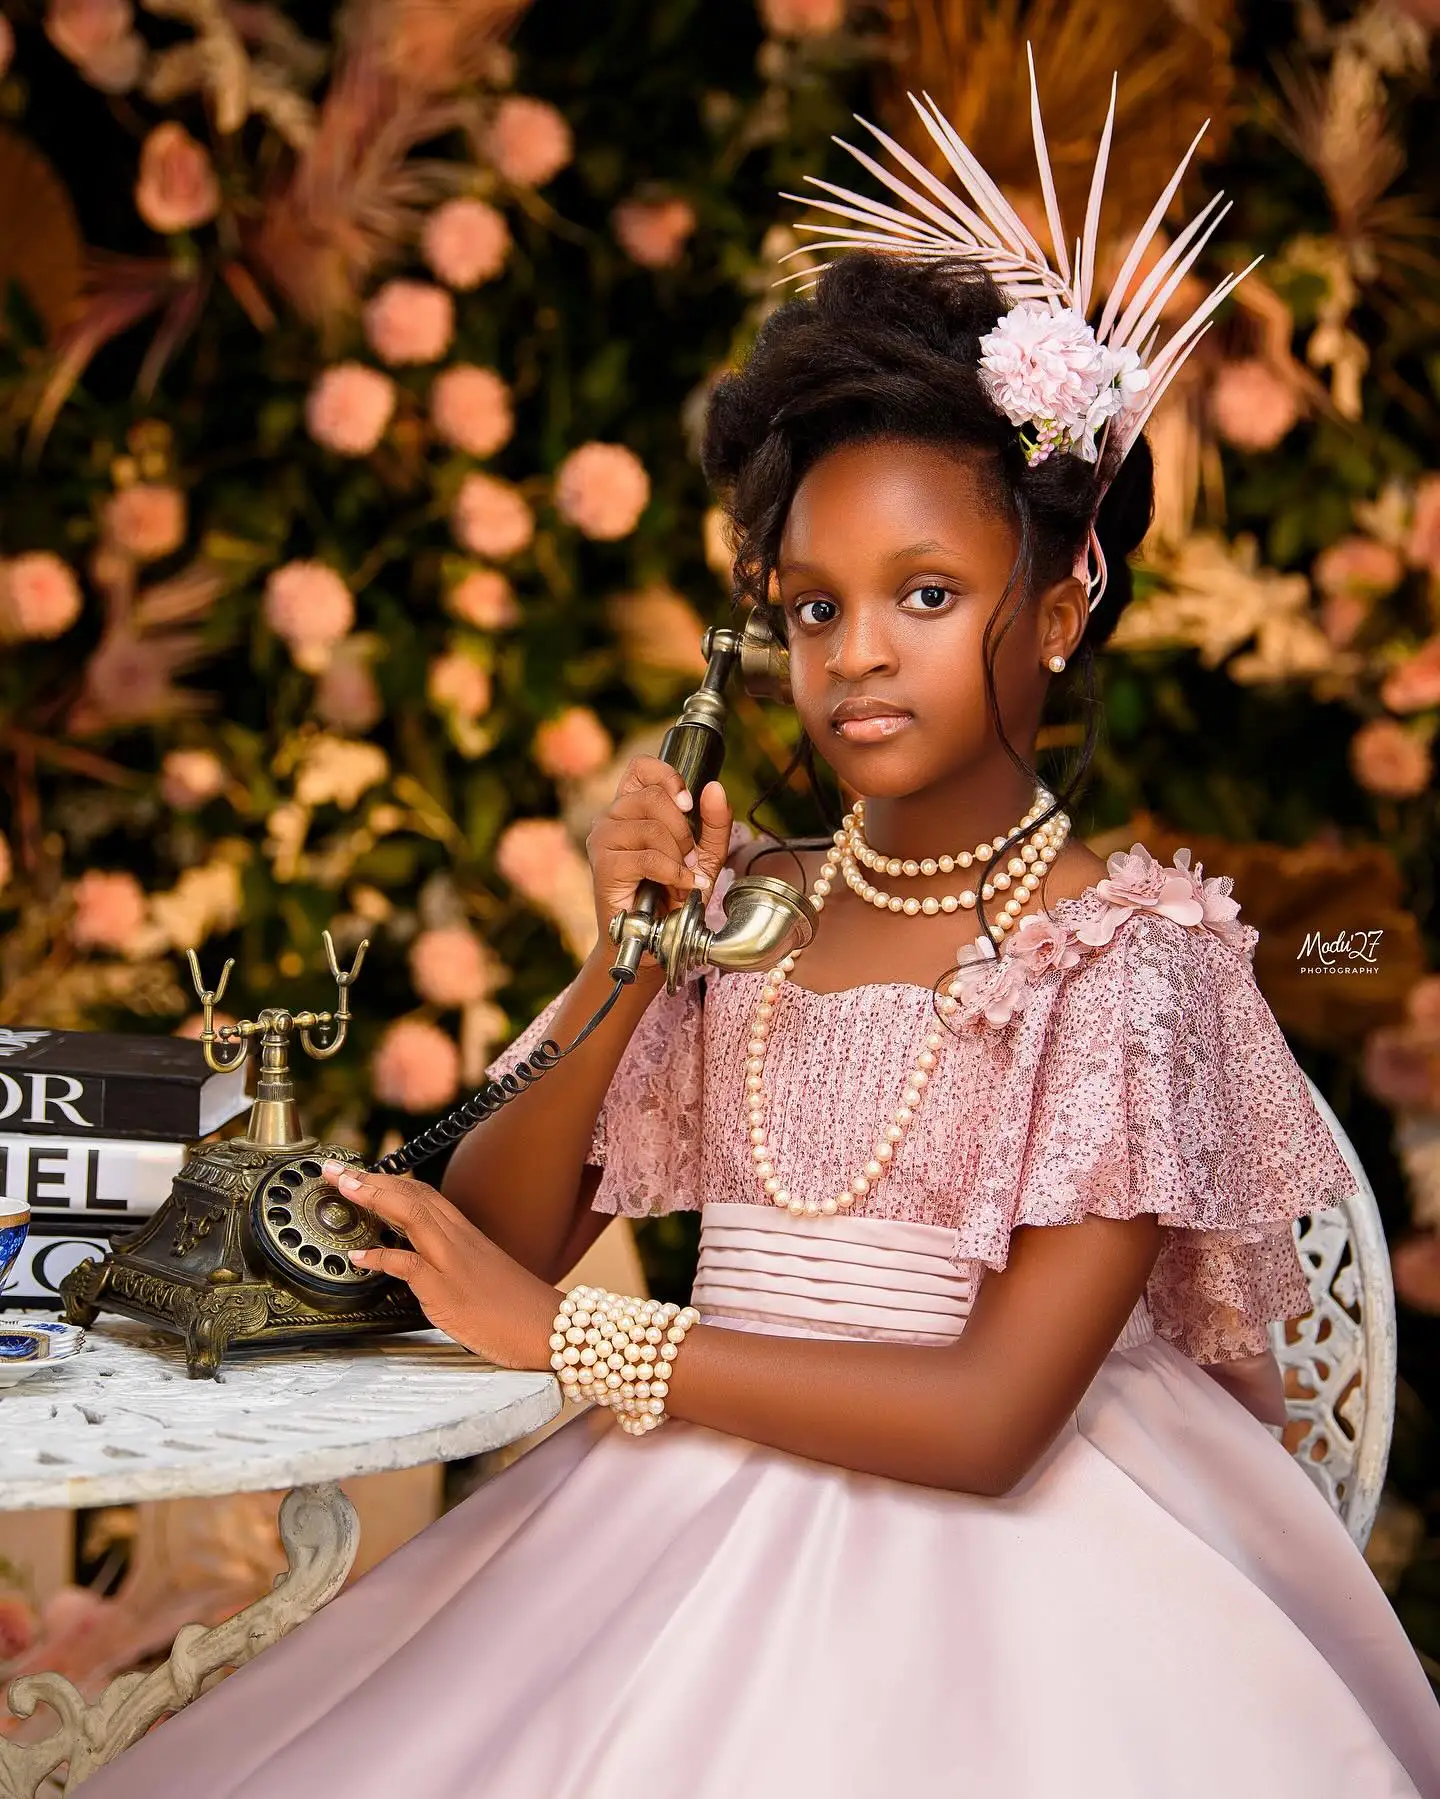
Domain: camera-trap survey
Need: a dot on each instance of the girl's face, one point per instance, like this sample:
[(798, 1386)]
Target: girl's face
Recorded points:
[(892, 559)]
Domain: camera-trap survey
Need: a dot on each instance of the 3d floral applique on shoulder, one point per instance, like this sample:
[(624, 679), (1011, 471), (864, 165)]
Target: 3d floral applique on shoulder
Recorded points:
[(1136, 882), (995, 986)]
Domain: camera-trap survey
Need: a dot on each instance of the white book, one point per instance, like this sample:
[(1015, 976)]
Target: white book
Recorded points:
[(86, 1176)]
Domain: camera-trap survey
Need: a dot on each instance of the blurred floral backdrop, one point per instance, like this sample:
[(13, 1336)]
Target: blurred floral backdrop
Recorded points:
[(352, 538)]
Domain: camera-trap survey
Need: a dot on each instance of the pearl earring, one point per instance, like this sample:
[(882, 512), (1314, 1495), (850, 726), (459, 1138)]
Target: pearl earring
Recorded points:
[(1055, 664)]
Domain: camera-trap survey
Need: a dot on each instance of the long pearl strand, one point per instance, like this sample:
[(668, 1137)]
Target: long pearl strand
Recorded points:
[(893, 1134)]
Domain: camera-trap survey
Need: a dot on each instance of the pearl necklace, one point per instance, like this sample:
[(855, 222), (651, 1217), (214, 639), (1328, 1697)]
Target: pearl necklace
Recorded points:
[(1024, 871), (929, 865), (893, 1134)]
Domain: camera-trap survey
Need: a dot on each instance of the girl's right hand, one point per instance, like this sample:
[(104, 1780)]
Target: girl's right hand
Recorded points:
[(646, 835)]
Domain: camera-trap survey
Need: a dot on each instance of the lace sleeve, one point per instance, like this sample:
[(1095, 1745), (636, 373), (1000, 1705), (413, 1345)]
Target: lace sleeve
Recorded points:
[(1159, 1081)]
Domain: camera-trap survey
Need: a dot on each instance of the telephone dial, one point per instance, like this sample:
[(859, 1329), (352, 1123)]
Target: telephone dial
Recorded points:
[(252, 1245)]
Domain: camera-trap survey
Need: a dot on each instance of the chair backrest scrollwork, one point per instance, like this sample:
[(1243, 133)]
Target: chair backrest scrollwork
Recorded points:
[(1339, 1360)]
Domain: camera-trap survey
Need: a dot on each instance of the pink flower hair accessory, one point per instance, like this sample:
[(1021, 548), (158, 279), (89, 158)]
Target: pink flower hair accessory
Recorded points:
[(1067, 385)]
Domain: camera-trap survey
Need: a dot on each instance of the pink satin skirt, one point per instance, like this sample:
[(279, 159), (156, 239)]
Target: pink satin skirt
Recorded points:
[(1165, 1608)]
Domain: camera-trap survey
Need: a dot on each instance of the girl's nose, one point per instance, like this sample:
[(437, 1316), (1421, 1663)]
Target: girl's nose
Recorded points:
[(863, 648)]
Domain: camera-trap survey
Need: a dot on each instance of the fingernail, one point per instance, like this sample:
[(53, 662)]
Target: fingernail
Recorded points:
[(692, 859), (331, 1167), (359, 1255), (702, 880), (683, 799), (350, 1182)]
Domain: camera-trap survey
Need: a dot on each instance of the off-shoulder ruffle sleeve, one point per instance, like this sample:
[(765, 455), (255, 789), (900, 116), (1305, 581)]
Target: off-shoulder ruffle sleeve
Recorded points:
[(647, 1134), (1153, 1077)]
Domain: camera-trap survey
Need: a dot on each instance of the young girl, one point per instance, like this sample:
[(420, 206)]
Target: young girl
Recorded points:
[(962, 1482)]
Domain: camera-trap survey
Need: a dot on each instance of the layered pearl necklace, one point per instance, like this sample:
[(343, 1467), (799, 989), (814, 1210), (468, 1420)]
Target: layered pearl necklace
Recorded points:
[(1024, 872)]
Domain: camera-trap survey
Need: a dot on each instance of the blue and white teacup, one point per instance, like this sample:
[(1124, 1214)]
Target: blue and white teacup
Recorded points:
[(14, 1229)]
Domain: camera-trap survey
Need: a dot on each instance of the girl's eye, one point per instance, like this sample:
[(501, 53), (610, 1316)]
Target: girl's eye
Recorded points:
[(932, 596), (800, 606)]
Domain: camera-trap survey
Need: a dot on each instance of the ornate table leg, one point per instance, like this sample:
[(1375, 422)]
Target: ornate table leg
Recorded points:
[(321, 1534)]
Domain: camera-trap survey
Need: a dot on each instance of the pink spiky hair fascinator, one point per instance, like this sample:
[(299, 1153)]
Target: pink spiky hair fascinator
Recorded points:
[(1052, 373)]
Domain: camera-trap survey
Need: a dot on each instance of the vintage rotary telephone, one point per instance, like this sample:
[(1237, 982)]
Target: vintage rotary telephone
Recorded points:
[(252, 1245)]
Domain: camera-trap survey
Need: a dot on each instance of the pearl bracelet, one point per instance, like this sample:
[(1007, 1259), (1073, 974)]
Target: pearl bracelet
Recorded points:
[(619, 1350)]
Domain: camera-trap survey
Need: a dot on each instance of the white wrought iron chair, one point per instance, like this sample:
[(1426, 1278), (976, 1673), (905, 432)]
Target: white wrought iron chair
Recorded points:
[(1343, 1355)]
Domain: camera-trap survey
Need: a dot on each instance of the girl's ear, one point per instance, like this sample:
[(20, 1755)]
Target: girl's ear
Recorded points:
[(1061, 618)]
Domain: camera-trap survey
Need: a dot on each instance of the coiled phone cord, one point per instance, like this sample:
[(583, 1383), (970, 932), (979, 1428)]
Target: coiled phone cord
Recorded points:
[(488, 1099)]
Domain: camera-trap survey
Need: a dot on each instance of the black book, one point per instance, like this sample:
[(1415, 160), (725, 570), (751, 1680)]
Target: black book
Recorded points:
[(112, 1084)]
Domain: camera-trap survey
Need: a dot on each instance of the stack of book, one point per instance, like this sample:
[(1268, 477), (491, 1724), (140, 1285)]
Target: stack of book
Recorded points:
[(94, 1126)]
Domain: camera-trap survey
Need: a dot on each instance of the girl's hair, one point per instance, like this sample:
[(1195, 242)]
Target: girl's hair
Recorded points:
[(887, 348)]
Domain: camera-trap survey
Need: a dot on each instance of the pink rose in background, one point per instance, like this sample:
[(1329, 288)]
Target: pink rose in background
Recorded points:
[(1414, 685), (573, 745), (416, 1067), (528, 141), (1400, 1070), (190, 778), (458, 683), (346, 696), (146, 521), (540, 861), (1040, 944), (1358, 565), (491, 518), (99, 37), (1137, 882), (311, 608), (349, 407), (17, 1621), (452, 967), (195, 1023), (1422, 1007), (465, 243), (1415, 1264), (528, 853), (1342, 615), (176, 189), (1388, 760), (602, 489), (802, 18), (485, 599), (109, 911), (39, 596), (409, 321), (658, 628), (1423, 548), (654, 232), (992, 988), (1251, 406), (470, 409)]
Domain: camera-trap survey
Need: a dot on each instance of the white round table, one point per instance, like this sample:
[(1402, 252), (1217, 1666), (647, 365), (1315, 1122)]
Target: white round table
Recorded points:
[(122, 1422)]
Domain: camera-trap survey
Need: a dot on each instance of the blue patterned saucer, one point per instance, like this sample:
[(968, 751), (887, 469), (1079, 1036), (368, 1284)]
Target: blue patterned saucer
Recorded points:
[(28, 1345)]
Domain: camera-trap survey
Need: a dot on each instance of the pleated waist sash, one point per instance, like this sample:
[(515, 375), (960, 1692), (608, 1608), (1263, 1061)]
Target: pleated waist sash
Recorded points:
[(762, 1269)]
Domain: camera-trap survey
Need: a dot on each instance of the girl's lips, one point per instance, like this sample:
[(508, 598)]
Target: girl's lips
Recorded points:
[(872, 730)]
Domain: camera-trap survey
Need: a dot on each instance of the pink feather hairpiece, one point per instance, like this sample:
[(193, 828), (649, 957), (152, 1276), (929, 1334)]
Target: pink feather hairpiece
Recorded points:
[(1068, 386)]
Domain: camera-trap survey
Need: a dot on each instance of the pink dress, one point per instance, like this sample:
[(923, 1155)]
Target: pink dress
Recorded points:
[(1165, 1607)]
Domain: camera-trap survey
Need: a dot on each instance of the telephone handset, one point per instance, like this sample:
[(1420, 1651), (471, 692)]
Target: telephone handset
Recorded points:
[(765, 918)]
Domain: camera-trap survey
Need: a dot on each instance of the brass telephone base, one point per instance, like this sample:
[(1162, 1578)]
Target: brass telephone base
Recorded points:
[(250, 1249)]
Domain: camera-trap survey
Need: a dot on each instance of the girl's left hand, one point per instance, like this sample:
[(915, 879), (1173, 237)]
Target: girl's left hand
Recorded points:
[(466, 1286)]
